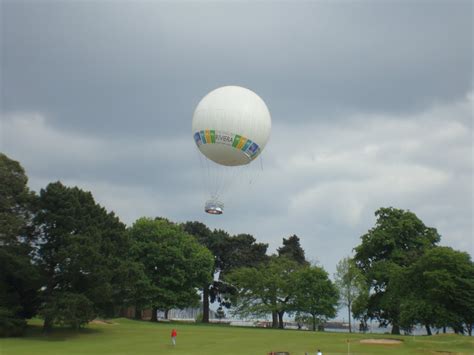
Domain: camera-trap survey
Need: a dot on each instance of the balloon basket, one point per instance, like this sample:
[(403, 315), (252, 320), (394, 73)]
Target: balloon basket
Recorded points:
[(214, 207)]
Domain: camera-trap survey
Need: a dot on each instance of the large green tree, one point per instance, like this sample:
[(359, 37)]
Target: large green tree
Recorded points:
[(19, 277), (230, 253), (174, 262), (439, 289), (314, 294), (396, 241), (350, 282), (264, 289), (81, 250)]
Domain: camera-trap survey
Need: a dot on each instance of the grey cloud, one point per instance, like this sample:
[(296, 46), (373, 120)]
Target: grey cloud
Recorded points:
[(140, 68), (323, 183)]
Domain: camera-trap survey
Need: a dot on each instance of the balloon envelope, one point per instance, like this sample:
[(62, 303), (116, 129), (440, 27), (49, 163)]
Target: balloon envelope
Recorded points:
[(231, 125)]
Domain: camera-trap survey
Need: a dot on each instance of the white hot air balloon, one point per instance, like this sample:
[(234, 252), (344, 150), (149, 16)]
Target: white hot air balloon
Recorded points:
[(231, 126)]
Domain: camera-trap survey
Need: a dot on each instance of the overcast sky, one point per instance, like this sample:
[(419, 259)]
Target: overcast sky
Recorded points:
[(371, 104)]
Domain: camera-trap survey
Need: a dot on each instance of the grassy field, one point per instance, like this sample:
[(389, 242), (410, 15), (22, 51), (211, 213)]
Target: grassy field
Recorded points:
[(123, 336)]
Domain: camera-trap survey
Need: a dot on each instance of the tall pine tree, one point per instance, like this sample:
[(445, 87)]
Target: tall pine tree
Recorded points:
[(19, 277), (81, 252)]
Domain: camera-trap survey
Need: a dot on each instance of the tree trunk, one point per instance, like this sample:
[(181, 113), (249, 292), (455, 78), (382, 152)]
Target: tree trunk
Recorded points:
[(154, 317), (47, 325), (314, 322), (166, 313), (444, 329), (274, 319), (395, 329), (428, 329), (205, 304), (138, 313), (281, 325), (349, 311)]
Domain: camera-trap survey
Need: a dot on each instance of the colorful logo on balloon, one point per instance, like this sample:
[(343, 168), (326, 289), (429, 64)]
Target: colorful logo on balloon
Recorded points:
[(210, 136)]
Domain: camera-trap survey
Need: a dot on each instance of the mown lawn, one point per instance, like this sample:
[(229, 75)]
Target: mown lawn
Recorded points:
[(125, 336)]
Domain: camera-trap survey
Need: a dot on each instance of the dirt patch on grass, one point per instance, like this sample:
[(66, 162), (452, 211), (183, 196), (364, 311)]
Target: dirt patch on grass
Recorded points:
[(381, 341), (101, 321)]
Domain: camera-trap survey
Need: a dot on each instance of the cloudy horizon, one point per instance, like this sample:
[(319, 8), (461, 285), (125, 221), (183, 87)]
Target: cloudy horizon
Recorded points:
[(371, 104)]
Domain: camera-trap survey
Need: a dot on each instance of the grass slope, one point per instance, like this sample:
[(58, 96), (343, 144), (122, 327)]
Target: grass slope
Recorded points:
[(138, 337)]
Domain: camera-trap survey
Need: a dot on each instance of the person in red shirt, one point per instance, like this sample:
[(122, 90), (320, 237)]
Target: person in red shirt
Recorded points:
[(174, 334)]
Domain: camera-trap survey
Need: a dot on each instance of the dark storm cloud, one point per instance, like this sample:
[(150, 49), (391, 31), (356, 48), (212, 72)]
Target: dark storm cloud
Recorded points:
[(140, 68)]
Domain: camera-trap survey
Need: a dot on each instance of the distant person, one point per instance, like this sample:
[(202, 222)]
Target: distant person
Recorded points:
[(319, 352), (174, 334)]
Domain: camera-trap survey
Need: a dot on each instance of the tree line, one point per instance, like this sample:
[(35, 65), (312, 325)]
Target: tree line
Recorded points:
[(66, 259)]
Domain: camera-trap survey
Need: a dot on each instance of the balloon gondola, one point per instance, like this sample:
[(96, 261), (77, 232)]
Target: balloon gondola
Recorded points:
[(214, 206)]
